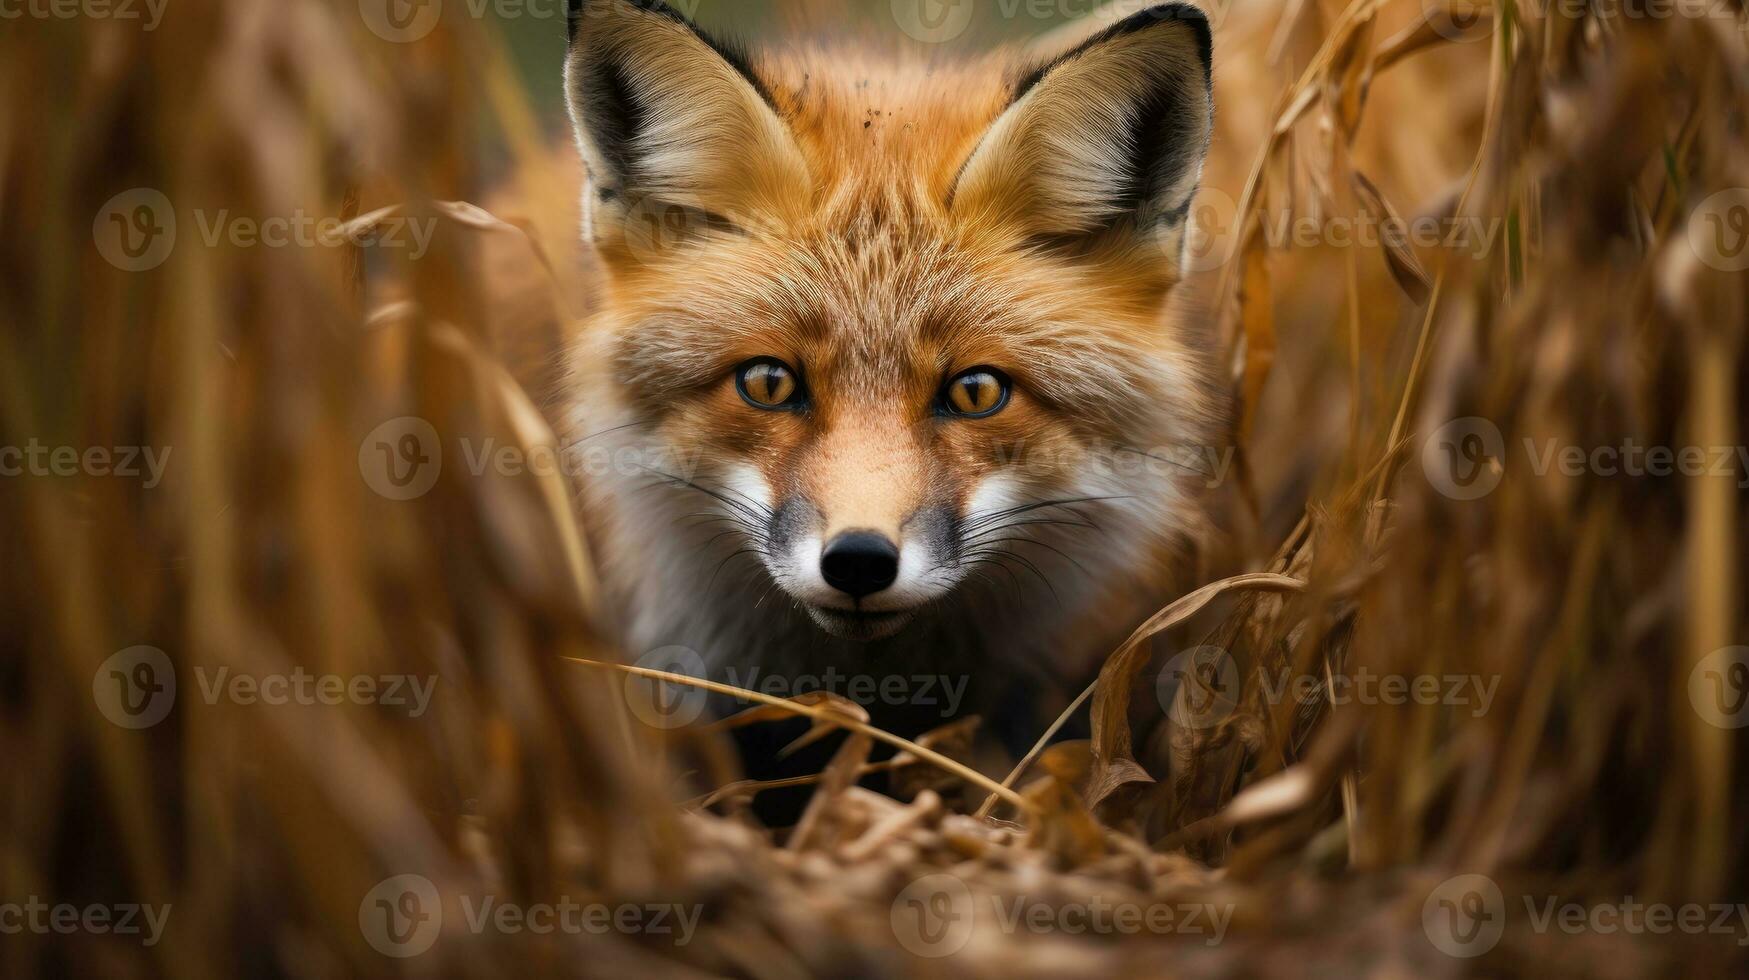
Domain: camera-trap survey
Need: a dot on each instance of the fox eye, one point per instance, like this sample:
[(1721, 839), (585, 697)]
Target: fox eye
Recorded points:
[(976, 393), (768, 383)]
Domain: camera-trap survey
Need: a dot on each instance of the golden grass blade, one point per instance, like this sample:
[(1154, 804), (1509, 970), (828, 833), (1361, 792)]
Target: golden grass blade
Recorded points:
[(827, 716)]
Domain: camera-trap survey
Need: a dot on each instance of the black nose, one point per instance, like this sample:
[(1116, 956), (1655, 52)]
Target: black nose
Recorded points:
[(860, 563)]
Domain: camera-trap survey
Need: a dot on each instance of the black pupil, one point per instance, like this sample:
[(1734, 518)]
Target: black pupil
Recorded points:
[(764, 381), (973, 387)]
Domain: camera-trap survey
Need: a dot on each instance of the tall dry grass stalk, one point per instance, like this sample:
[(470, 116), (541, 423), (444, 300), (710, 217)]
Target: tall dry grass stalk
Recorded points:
[(1591, 145)]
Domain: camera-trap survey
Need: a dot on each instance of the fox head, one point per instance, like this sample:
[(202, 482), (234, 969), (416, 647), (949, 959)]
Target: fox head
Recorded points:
[(887, 331)]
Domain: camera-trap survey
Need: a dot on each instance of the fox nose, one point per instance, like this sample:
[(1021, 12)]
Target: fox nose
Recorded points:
[(860, 563)]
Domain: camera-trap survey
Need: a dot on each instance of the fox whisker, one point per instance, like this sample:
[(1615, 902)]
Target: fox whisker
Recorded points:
[(1026, 563), (754, 511), (1022, 539), (1031, 523), (980, 521), (757, 552), (998, 564), (1198, 470)]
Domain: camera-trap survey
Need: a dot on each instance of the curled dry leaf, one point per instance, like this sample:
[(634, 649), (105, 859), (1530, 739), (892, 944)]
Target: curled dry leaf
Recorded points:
[(1114, 763), (1400, 255)]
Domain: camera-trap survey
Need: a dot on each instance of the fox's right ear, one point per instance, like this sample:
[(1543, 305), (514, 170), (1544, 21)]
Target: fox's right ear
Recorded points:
[(669, 117)]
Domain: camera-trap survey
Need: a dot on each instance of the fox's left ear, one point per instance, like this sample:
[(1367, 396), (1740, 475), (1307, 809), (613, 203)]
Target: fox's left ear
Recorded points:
[(1107, 137)]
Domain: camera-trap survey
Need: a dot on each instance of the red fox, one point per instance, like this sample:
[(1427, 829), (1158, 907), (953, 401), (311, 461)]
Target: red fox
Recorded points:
[(887, 365)]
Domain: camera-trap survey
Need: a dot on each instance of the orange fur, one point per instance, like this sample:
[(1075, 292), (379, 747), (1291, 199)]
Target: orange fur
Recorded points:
[(881, 222)]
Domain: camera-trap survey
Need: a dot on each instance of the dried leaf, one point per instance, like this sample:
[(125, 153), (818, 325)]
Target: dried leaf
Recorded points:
[(1114, 764), (1400, 255)]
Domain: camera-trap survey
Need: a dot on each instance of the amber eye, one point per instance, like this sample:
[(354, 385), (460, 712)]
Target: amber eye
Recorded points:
[(978, 393), (768, 383)]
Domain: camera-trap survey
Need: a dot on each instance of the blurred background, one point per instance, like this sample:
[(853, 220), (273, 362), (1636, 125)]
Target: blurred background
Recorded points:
[(291, 703)]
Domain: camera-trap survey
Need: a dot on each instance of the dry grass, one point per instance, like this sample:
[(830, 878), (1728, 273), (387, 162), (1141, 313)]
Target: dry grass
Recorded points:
[(1592, 142)]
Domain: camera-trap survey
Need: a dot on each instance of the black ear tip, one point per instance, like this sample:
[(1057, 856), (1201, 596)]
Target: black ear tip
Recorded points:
[(1192, 15), (574, 13), (1141, 20)]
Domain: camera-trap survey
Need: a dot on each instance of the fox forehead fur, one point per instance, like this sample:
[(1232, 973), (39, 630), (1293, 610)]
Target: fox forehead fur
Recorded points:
[(876, 224)]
